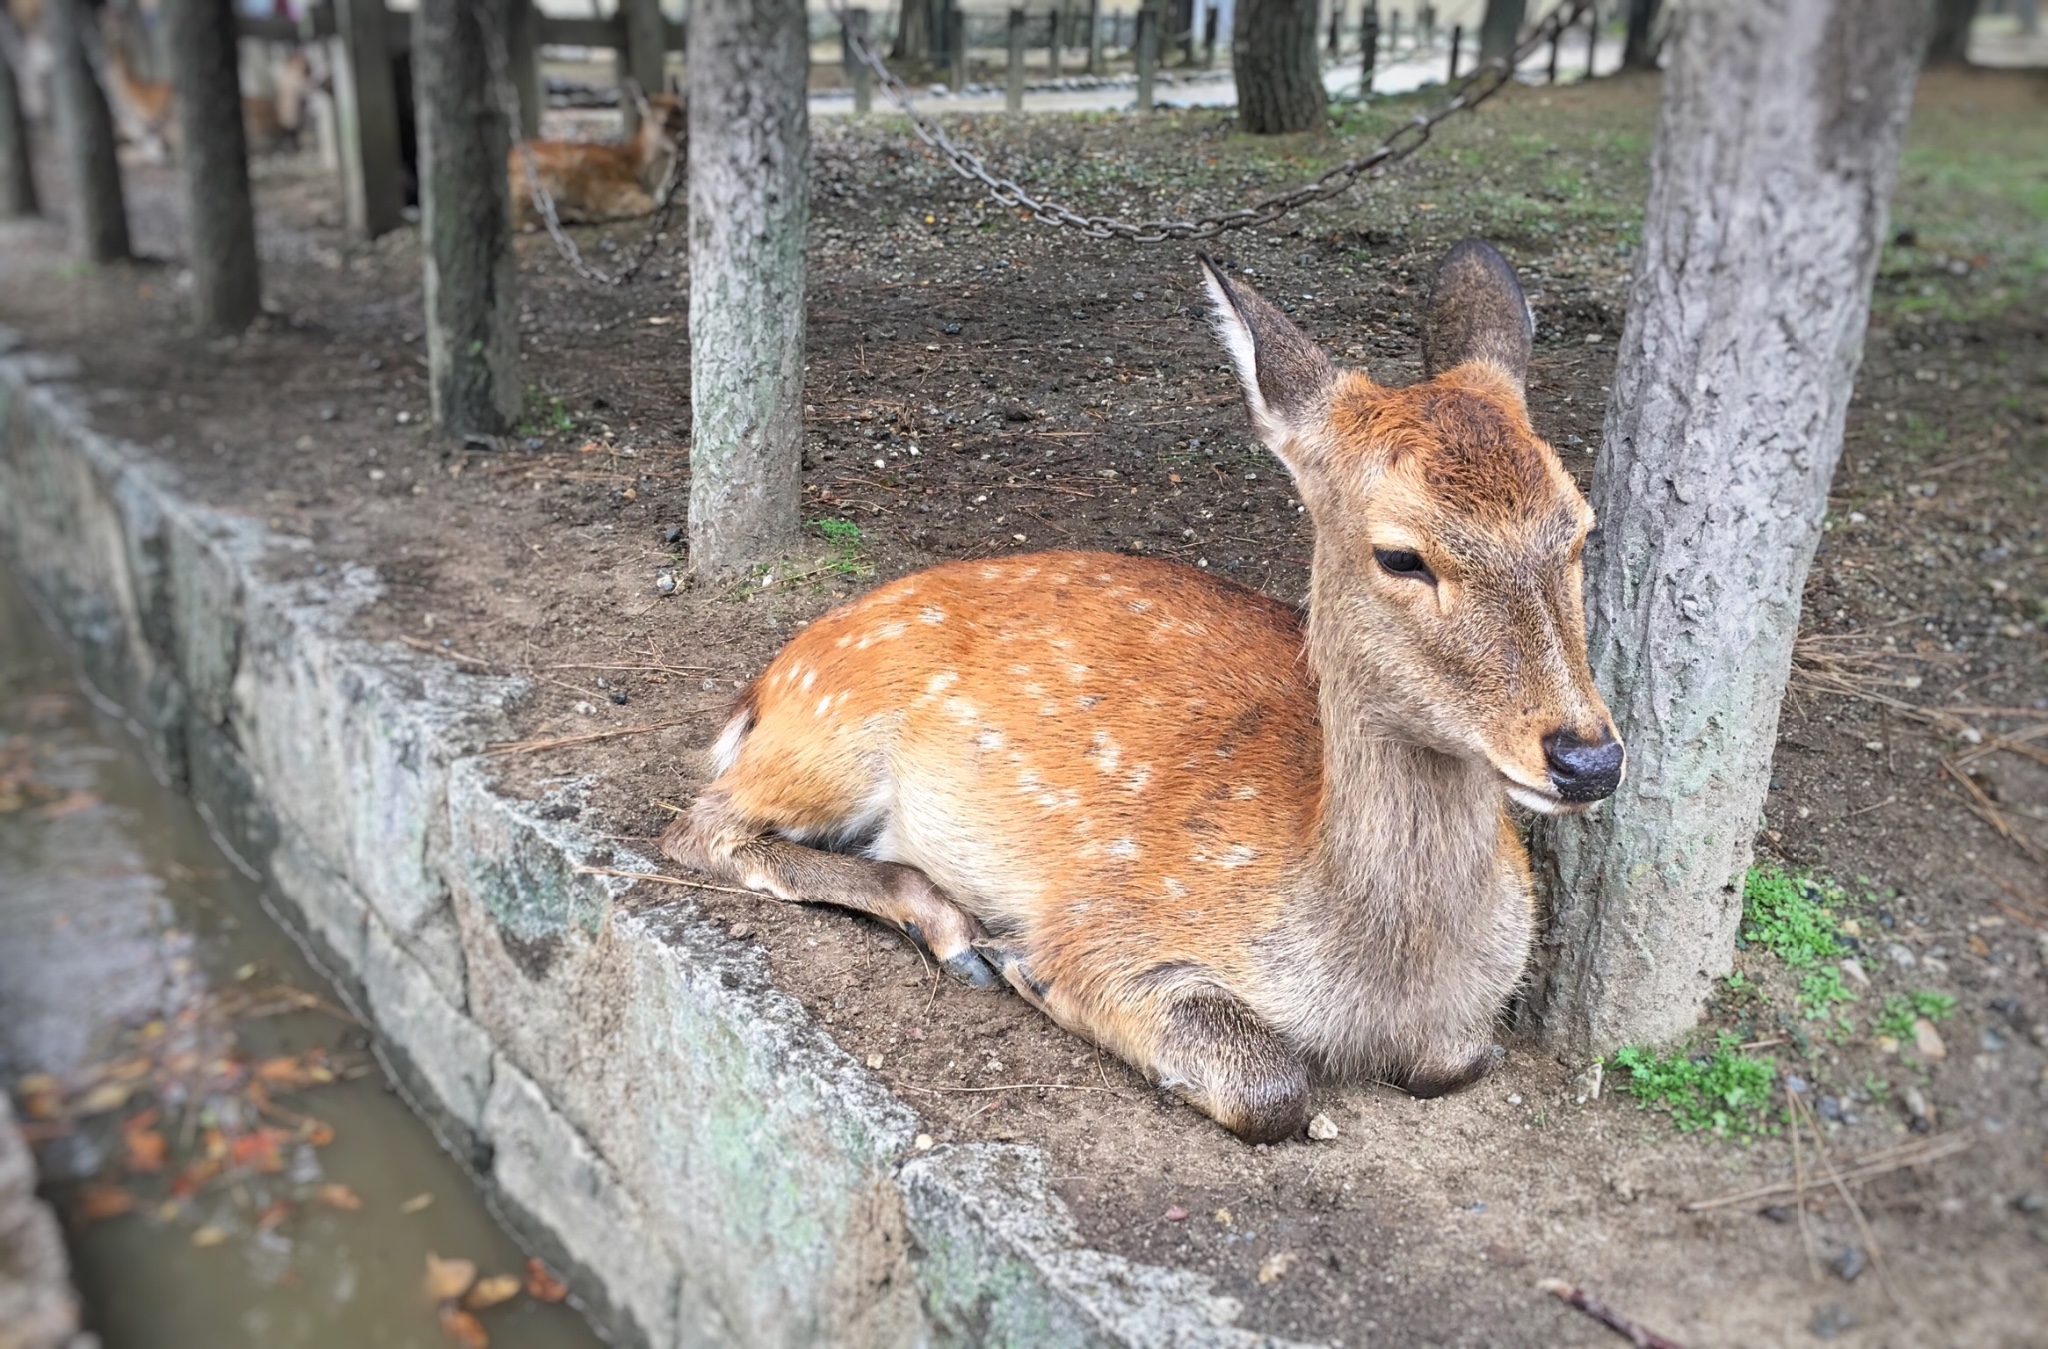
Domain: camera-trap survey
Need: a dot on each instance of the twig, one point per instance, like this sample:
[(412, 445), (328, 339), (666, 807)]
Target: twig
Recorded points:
[(1015, 1086), (1884, 1277), (659, 879), (1980, 806), (419, 644), (1639, 1336), (1799, 1200), (1917, 1153), (563, 741)]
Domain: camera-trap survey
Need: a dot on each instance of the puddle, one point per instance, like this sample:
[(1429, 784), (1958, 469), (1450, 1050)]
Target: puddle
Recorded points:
[(229, 1161)]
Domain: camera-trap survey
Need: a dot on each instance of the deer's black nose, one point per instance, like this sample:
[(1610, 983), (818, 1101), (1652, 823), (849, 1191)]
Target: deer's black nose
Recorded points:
[(1583, 770)]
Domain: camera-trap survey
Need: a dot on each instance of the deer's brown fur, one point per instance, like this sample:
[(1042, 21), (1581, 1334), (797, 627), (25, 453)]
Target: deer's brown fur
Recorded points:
[(592, 183), (1228, 840)]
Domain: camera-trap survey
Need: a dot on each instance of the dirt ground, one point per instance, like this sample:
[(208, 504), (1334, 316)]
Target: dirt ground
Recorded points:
[(982, 385)]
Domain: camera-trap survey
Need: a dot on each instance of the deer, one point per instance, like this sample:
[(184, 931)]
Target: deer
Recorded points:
[(592, 183), (1230, 840)]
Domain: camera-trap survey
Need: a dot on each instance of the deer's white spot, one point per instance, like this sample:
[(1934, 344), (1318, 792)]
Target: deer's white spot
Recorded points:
[(961, 710), (1104, 751), (1239, 855), (1122, 847), (889, 631), (844, 642), (1077, 671), (990, 740), (942, 681), (824, 705), (1140, 776), (1140, 606), (810, 678), (1174, 887), (1245, 792)]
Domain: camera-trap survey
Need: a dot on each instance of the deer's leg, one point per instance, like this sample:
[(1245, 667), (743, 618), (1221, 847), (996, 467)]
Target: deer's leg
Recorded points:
[(1449, 1070), (717, 838), (1196, 1040)]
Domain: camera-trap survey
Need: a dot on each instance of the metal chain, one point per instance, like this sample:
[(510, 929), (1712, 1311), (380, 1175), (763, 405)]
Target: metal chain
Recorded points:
[(1484, 82), (498, 50)]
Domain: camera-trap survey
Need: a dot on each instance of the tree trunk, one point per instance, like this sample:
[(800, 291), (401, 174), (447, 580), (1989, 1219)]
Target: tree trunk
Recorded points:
[(750, 151), (646, 55), (17, 152), (917, 25), (1950, 42), (85, 131), (466, 217), (1501, 28), (1776, 153), (1273, 56), (214, 164), (1639, 47)]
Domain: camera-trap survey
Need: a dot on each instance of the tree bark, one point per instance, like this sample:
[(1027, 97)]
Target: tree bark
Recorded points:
[(917, 26), (1273, 56), (85, 131), (1639, 47), (646, 55), (1949, 44), (1500, 28), (17, 152), (749, 204), (1776, 153), (220, 221), (466, 217)]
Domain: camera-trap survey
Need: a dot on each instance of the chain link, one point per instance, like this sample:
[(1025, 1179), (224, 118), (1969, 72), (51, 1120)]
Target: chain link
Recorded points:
[(1484, 82)]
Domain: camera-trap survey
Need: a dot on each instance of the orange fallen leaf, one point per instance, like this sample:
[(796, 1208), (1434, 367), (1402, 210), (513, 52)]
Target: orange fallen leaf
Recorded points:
[(97, 1202), (542, 1285), (258, 1149), (188, 1182), (105, 1098), (318, 1132), (274, 1213), (147, 1150), (336, 1195), (70, 804), (448, 1279), (491, 1291), (461, 1328), (208, 1235)]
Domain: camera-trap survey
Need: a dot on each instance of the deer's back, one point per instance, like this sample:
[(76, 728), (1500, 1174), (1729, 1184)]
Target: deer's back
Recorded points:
[(1119, 756)]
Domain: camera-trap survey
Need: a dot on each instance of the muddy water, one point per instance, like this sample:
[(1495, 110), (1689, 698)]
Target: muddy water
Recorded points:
[(232, 1167)]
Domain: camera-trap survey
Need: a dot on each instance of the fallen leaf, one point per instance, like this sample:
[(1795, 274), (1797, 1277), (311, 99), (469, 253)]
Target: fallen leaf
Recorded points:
[(106, 1097), (542, 1285), (461, 1328), (70, 804), (97, 1202), (147, 1150), (188, 1182), (318, 1132), (417, 1203), (258, 1150), (275, 1212), (491, 1291), (1176, 1214), (336, 1195), (36, 1084), (448, 1279), (208, 1235), (1274, 1266)]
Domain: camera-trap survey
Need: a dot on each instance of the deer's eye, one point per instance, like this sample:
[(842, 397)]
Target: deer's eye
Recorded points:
[(1402, 562)]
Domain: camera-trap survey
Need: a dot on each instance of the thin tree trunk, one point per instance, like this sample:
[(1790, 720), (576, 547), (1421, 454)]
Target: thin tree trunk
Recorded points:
[(85, 131), (1639, 47), (17, 152), (749, 203), (1776, 154), (914, 32), (465, 216), (1279, 83), (1949, 44), (220, 221), (1500, 27)]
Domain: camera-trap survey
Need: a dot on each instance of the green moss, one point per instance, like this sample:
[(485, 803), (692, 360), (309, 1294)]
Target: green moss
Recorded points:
[(1725, 1091)]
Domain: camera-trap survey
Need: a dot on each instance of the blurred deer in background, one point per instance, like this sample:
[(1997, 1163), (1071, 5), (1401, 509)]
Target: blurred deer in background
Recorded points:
[(1229, 840), (591, 183)]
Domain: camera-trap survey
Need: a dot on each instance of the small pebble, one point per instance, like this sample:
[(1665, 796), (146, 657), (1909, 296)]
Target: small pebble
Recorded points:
[(665, 583), (619, 697), (739, 930), (1322, 1128), (1927, 1042), (672, 535), (1850, 1263), (923, 1143), (1853, 971), (1919, 1111), (1176, 1214), (1514, 1098), (1830, 1108), (1831, 1320), (1993, 1042)]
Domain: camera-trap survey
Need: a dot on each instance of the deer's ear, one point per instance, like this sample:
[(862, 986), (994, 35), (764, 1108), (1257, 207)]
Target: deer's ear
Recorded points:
[(1477, 312), (1287, 379)]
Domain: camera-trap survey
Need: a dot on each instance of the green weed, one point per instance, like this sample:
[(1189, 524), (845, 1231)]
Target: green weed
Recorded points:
[(845, 538), (1791, 915), (549, 416), (1902, 1010), (1822, 991), (1725, 1091)]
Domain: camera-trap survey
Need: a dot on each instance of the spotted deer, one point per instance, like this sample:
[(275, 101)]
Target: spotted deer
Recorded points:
[(1227, 839), (592, 183)]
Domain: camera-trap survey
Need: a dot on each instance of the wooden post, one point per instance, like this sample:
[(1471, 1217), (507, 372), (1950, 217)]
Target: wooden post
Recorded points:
[(1336, 20), (366, 107), (1457, 41), (522, 40), (213, 163), (17, 167), (1013, 88), (1212, 19), (1556, 37), (1592, 39), (862, 79), (1052, 46), (1148, 52), (956, 46), (644, 56), (1368, 45), (85, 129), (1094, 37), (749, 203), (466, 218), (1425, 18)]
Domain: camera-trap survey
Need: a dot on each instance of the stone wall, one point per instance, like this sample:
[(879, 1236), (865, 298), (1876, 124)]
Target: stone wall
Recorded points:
[(655, 1115)]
